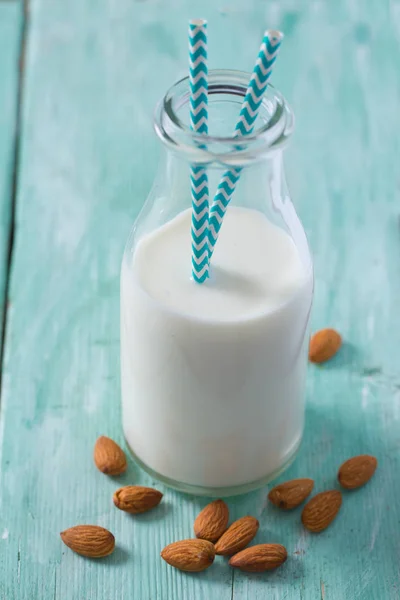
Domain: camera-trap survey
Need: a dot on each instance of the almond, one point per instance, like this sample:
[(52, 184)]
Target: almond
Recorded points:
[(89, 540), (237, 536), (189, 555), (212, 521), (109, 457), (356, 471), (259, 558), (323, 345), (136, 499), (290, 494), (320, 511)]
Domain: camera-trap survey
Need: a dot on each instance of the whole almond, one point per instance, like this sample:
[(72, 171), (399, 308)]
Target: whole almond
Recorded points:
[(320, 511), (189, 555), (109, 457), (136, 499), (290, 494), (237, 536), (356, 471), (261, 557), (323, 345), (212, 521), (89, 540)]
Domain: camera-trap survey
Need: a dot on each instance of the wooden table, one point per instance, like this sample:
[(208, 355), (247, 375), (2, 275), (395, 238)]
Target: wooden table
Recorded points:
[(78, 83)]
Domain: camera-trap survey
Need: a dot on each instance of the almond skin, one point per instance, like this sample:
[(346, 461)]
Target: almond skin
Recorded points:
[(189, 555), (321, 510), (261, 557), (89, 540), (237, 536), (356, 471), (136, 499), (212, 521), (290, 494), (323, 345), (109, 458)]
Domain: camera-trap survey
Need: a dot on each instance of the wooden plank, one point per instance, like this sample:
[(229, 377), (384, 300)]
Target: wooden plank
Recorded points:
[(10, 27), (88, 159)]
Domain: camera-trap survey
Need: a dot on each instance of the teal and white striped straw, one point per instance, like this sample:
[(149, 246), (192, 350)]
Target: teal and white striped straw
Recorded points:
[(198, 82), (251, 104)]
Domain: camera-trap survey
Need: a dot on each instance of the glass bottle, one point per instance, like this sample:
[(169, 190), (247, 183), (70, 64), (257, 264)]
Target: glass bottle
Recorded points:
[(213, 374)]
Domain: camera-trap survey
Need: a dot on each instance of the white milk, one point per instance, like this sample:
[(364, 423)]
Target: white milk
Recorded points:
[(213, 374)]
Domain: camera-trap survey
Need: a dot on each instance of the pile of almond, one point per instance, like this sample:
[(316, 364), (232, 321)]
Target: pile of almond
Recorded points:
[(215, 537)]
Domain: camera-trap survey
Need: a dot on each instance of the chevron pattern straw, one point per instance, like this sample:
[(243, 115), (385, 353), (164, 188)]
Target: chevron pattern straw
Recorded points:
[(251, 104), (198, 82)]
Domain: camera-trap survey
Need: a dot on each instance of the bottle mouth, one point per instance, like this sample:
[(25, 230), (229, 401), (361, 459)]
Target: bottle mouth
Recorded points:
[(226, 90)]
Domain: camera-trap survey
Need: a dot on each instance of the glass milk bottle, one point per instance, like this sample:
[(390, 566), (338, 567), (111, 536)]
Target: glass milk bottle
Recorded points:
[(213, 374)]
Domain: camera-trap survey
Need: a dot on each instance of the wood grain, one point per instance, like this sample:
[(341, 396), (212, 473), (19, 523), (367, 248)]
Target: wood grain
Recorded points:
[(93, 74)]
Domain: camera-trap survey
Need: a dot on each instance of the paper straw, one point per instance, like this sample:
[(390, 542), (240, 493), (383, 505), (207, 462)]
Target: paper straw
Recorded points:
[(251, 104), (198, 81)]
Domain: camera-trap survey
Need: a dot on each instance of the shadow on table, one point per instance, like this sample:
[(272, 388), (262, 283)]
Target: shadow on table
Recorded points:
[(120, 556), (219, 571), (349, 357), (159, 513)]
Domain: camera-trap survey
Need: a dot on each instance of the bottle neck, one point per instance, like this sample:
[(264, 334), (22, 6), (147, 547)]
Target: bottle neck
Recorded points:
[(226, 90)]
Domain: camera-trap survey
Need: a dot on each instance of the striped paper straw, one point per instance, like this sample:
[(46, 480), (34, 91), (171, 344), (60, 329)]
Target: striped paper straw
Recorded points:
[(251, 104), (198, 81)]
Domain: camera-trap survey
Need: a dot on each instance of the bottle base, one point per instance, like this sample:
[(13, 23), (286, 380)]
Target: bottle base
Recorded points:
[(199, 490)]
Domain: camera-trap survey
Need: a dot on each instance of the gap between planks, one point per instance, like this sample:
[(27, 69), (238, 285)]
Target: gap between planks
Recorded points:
[(15, 175)]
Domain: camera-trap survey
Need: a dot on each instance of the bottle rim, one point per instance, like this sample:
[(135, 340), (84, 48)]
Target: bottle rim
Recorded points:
[(276, 122)]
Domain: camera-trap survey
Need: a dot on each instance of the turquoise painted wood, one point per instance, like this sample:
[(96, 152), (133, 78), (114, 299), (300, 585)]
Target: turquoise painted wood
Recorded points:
[(94, 71), (10, 27)]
